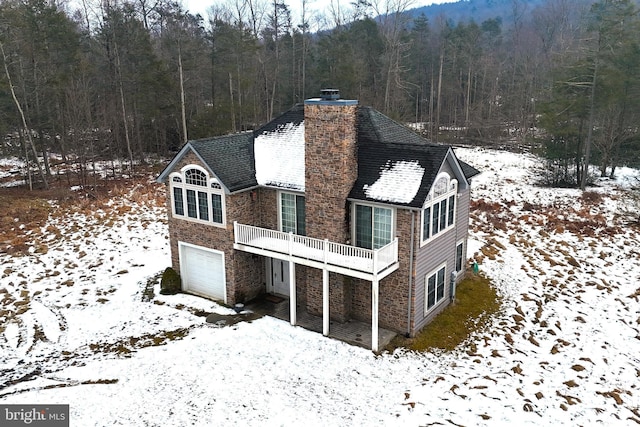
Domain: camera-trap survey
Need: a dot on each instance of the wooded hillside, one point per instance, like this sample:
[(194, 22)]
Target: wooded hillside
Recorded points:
[(125, 78)]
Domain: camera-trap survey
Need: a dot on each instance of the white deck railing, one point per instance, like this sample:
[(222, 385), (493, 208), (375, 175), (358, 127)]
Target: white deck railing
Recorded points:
[(322, 251)]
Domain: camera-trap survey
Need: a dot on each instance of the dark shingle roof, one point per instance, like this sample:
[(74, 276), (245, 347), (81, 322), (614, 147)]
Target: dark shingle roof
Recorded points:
[(383, 142), (294, 116), (375, 127), (468, 170), (230, 157)]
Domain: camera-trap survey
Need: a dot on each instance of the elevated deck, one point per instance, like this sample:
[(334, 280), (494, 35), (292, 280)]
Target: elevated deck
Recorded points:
[(368, 264)]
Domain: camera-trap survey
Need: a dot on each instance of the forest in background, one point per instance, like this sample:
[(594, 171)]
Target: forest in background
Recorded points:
[(121, 79)]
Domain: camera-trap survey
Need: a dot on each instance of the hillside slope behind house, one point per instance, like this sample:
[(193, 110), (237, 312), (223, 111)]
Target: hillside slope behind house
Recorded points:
[(477, 10)]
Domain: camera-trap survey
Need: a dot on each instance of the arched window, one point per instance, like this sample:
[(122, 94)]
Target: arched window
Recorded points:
[(439, 212), (196, 196), (440, 187), (195, 177)]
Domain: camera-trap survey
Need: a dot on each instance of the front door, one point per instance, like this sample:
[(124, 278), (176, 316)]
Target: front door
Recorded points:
[(279, 276)]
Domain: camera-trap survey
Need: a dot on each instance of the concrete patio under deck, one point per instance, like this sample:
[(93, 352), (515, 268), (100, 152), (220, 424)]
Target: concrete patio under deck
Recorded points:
[(352, 332)]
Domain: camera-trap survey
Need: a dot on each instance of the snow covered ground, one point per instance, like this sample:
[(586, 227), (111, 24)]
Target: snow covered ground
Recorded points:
[(78, 328)]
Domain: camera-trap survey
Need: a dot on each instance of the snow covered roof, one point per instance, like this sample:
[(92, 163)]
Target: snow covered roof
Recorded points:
[(395, 165), (279, 151), (398, 182)]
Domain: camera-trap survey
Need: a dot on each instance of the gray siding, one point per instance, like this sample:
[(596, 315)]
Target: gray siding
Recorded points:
[(431, 256), (462, 222), (446, 167)]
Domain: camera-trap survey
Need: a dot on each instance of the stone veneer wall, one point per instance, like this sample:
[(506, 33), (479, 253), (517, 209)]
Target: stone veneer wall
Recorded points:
[(244, 272), (331, 168), (267, 208), (248, 268), (302, 273), (340, 294), (394, 289)]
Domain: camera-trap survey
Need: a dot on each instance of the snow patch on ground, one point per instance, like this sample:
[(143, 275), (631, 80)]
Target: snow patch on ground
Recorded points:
[(78, 329)]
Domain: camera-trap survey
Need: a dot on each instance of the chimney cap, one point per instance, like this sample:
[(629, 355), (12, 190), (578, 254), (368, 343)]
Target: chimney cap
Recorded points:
[(329, 94), (330, 97)]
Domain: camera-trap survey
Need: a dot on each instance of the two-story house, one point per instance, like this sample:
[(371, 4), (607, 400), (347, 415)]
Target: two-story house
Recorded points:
[(346, 212)]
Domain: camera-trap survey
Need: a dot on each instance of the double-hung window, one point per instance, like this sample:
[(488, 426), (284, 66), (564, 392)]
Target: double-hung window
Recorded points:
[(373, 226), (460, 257), (439, 212), (196, 196), (434, 284), (292, 214)]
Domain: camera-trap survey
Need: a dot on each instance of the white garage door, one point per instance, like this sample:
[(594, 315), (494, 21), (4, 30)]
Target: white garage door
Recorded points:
[(202, 271)]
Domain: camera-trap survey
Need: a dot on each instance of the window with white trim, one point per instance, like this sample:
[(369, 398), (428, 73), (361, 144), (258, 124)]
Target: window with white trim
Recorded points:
[(373, 226), (434, 288), (292, 214), (196, 196), (460, 257), (439, 212)]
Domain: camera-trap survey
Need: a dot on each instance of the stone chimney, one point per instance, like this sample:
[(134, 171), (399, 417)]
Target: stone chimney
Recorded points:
[(331, 164), (331, 169)]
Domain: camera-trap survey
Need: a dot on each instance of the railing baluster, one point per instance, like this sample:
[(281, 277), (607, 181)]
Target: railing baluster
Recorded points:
[(325, 250)]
